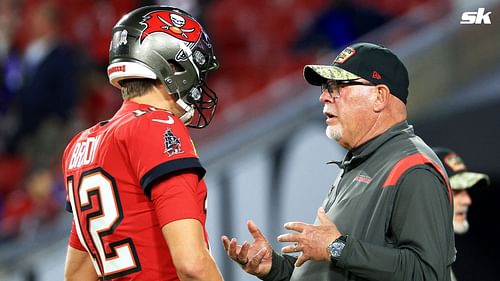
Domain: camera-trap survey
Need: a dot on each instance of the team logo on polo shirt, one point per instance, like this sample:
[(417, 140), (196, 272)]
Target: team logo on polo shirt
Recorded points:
[(363, 179)]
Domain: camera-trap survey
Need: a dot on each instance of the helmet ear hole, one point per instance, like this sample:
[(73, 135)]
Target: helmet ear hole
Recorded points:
[(176, 66)]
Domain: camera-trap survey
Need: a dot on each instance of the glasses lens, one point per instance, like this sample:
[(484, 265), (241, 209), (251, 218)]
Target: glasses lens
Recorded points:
[(333, 87), (328, 86)]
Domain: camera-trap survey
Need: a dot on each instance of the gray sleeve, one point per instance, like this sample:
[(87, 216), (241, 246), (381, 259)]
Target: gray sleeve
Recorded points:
[(282, 268), (420, 234)]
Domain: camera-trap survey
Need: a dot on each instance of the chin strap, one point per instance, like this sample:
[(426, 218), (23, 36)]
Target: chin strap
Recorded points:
[(199, 107), (189, 112)]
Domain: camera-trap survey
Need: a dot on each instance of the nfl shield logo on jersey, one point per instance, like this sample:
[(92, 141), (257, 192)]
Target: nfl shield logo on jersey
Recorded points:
[(172, 143)]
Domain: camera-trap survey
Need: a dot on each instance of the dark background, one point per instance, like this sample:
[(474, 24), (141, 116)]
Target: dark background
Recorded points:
[(473, 132)]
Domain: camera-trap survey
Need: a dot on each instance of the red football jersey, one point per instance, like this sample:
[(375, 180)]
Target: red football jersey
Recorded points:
[(110, 170)]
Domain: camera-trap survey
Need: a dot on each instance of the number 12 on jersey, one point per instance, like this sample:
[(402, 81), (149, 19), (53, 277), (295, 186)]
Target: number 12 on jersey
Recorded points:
[(97, 212)]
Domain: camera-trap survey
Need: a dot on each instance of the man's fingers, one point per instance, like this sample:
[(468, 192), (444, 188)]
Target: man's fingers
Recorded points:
[(257, 258), (296, 226), (323, 218), (301, 260), (233, 249), (290, 237), (242, 255), (255, 231), (225, 242), (291, 248), (232, 245)]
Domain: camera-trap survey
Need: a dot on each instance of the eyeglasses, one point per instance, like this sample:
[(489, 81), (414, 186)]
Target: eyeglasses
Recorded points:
[(333, 86)]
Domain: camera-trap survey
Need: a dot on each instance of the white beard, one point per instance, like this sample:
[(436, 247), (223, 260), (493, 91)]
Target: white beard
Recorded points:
[(334, 132), (461, 227)]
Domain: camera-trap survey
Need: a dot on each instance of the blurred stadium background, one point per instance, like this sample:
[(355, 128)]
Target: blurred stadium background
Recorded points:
[(266, 150)]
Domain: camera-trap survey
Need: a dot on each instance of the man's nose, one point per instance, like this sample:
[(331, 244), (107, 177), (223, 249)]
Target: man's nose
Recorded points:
[(325, 97), (466, 198)]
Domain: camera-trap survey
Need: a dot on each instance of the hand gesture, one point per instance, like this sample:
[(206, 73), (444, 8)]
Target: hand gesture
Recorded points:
[(311, 240), (254, 258)]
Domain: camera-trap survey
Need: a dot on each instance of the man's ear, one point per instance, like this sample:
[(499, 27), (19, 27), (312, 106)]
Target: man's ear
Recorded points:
[(382, 99)]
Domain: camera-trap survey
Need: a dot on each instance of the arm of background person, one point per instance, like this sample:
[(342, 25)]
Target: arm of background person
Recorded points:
[(78, 266), (421, 226)]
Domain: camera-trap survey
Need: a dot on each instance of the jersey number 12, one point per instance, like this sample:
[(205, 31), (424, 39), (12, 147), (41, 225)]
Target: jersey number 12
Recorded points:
[(110, 258)]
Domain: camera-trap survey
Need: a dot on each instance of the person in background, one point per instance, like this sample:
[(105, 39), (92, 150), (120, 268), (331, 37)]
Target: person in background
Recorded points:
[(49, 87), (135, 184), (461, 179)]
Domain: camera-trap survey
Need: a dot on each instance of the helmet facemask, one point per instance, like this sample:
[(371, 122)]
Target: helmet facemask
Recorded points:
[(200, 101)]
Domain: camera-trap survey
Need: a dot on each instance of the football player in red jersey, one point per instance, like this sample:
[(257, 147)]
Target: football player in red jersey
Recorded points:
[(134, 182)]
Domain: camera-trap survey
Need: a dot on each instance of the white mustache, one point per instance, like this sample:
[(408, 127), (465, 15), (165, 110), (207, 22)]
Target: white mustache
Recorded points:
[(462, 209)]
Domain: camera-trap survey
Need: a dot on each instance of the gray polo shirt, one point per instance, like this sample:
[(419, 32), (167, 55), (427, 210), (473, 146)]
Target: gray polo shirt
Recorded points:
[(393, 200)]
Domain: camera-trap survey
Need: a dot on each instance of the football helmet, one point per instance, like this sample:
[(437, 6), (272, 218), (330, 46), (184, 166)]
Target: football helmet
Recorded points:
[(166, 43)]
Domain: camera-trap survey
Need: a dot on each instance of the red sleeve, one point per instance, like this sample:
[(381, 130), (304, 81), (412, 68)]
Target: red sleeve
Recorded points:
[(178, 198), (74, 242)]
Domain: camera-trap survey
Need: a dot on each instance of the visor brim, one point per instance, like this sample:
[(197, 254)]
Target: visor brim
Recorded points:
[(467, 180), (319, 74)]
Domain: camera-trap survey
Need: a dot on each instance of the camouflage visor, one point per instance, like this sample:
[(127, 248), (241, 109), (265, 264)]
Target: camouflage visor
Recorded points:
[(318, 74), (466, 180)]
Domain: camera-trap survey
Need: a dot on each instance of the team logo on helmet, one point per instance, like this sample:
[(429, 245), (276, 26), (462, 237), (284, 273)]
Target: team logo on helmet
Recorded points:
[(174, 24)]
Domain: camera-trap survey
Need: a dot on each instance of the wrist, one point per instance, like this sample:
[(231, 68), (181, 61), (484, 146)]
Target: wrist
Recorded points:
[(336, 247), (273, 270)]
